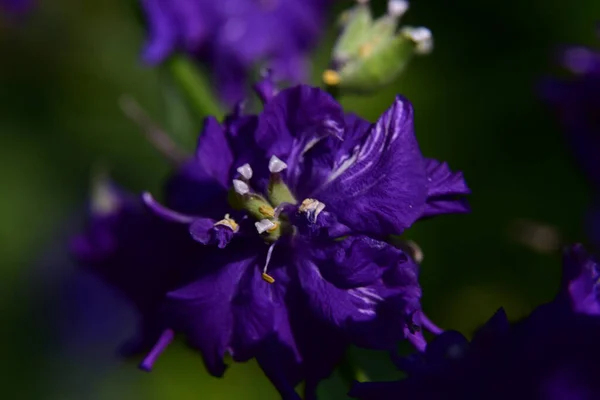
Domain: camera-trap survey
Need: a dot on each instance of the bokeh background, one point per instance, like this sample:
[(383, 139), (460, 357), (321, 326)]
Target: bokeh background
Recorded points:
[(62, 71)]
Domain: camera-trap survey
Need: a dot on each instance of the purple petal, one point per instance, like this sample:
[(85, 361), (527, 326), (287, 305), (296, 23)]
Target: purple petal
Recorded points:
[(227, 310), (374, 314), (381, 187), (293, 121), (164, 212), (162, 36), (140, 255), (581, 277), (266, 88), (442, 181), (191, 190), (205, 231), (213, 152)]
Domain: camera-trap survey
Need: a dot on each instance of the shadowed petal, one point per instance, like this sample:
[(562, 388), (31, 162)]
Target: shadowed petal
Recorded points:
[(444, 190)]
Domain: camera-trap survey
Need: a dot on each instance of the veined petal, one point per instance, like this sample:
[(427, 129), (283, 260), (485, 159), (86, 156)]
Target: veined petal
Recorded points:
[(381, 188), (294, 121), (368, 290)]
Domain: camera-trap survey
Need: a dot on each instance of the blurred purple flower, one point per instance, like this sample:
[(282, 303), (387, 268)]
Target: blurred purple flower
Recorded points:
[(576, 101), (292, 206), (140, 255), (16, 7), (235, 36), (552, 354)]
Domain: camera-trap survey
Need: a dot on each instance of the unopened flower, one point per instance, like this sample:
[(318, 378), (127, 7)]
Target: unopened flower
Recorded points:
[(235, 36)]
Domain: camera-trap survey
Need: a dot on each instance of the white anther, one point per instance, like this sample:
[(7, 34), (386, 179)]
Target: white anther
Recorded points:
[(264, 225), (245, 171), (241, 187), (397, 8), (311, 207), (276, 165), (422, 37)]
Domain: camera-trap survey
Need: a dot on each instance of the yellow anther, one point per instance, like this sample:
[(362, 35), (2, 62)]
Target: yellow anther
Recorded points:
[(268, 278), (267, 211), (228, 222), (331, 77), (274, 227), (365, 50)]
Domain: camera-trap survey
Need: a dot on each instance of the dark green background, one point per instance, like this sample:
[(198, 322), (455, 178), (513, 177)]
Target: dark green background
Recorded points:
[(62, 70)]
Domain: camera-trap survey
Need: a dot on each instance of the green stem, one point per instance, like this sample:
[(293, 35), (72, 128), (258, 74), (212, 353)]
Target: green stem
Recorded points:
[(195, 86)]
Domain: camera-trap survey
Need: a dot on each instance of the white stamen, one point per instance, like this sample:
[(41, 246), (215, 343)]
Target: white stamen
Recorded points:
[(264, 225), (241, 187), (245, 171), (311, 207), (422, 37), (269, 253), (276, 165), (397, 8)]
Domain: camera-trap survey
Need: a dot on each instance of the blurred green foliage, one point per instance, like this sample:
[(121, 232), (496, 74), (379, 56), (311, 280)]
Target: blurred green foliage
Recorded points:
[(64, 68)]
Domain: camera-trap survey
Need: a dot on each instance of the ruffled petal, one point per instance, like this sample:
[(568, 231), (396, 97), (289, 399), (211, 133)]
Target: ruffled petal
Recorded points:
[(381, 188), (162, 36), (364, 287), (294, 121), (226, 310)]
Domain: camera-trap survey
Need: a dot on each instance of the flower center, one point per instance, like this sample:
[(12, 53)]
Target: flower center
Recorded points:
[(270, 220), (266, 210)]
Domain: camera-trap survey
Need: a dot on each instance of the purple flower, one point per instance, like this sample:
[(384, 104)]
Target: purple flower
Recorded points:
[(288, 211), (16, 7), (236, 36), (577, 103), (140, 255), (296, 202), (552, 354)]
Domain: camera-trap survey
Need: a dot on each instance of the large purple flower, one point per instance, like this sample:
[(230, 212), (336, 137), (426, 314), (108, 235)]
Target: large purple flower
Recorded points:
[(235, 36), (271, 240), (552, 354), (294, 205)]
